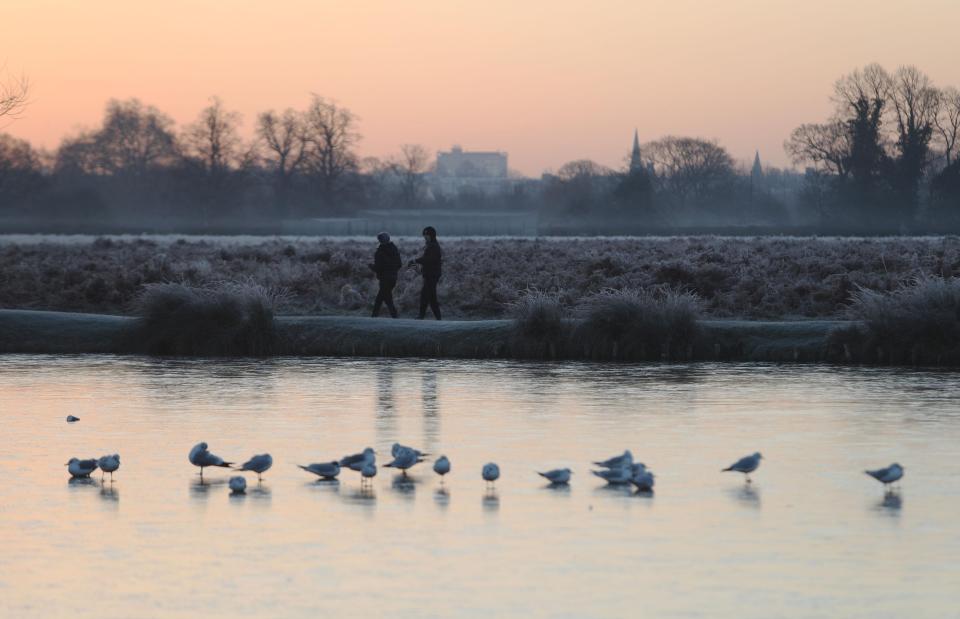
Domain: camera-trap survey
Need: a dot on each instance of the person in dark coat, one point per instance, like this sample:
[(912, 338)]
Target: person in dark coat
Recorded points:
[(430, 269), (386, 265)]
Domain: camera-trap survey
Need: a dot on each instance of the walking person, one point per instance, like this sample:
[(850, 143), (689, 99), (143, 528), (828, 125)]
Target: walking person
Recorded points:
[(386, 264), (430, 269)]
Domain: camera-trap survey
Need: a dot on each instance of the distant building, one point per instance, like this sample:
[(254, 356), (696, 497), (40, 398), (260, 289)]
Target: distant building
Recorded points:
[(458, 170)]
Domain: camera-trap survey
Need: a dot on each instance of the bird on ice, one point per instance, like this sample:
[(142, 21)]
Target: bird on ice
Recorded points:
[(200, 456), (238, 485), (355, 462), (397, 448), (642, 478), (887, 475), (745, 465), (81, 468), (557, 476), (72, 419), (368, 472), (441, 466), (323, 470), (617, 462), (108, 464), (620, 474), (258, 464), (404, 459), (490, 472)]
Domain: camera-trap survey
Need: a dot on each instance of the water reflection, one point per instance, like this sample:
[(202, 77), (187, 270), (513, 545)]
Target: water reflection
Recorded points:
[(431, 410), (491, 501), (614, 490), (200, 488), (890, 504), (441, 496), (386, 417), (747, 494), (110, 493), (404, 485), (559, 489), (81, 482), (261, 494)]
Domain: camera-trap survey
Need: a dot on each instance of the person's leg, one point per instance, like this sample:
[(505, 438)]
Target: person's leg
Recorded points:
[(424, 299), (434, 303), (388, 297), (379, 300)]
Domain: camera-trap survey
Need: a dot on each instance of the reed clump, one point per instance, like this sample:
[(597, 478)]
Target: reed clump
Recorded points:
[(224, 319)]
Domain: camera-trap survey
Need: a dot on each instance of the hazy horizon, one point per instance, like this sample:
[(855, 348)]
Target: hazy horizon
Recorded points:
[(545, 82)]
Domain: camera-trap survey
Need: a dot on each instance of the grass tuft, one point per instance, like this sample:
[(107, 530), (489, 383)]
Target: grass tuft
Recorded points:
[(225, 319), (649, 323)]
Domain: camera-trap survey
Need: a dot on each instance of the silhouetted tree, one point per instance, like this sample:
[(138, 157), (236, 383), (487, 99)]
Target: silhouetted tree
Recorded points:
[(14, 96), (947, 122), (827, 146), (331, 135), (410, 166), (284, 140), (914, 102), (691, 168), (21, 172)]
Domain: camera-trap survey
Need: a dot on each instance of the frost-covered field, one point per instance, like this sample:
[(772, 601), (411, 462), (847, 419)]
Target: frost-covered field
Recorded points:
[(769, 277)]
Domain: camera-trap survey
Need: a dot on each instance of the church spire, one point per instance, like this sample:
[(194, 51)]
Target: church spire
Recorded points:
[(636, 164)]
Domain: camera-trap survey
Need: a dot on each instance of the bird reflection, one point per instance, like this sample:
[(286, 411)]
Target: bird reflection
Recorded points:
[(891, 504), (201, 488), (431, 409), (441, 496), (260, 494), (79, 482), (109, 493), (749, 495), (560, 489), (325, 485), (614, 489), (405, 485), (491, 501)]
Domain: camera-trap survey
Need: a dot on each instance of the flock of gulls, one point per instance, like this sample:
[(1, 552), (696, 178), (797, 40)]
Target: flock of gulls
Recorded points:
[(620, 470)]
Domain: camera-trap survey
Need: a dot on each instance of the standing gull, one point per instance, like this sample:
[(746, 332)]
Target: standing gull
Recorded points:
[(81, 468), (238, 485), (441, 467), (557, 476), (490, 472), (368, 472), (324, 470), (258, 464), (888, 475), (200, 456), (404, 459), (397, 448), (109, 464), (355, 462), (745, 465), (617, 462)]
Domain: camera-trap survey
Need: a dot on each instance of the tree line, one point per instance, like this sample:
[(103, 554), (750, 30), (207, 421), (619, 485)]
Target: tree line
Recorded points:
[(887, 160)]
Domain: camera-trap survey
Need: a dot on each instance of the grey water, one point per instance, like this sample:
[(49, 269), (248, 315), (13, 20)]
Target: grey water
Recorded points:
[(812, 536)]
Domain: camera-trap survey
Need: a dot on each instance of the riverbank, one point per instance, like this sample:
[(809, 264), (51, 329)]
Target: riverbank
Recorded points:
[(41, 332)]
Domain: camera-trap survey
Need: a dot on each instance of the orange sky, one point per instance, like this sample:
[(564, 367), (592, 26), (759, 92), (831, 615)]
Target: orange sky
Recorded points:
[(546, 81)]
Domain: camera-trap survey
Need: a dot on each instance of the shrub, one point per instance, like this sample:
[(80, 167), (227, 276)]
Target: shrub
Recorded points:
[(227, 319), (650, 323), (538, 315), (917, 322)]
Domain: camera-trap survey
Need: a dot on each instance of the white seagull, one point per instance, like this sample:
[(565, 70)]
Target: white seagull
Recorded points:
[(642, 478), (397, 447), (238, 484), (441, 466), (404, 459), (109, 464), (368, 472), (617, 462), (258, 464), (199, 456), (490, 472), (745, 465), (557, 476), (323, 470), (888, 475), (81, 468), (355, 462)]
